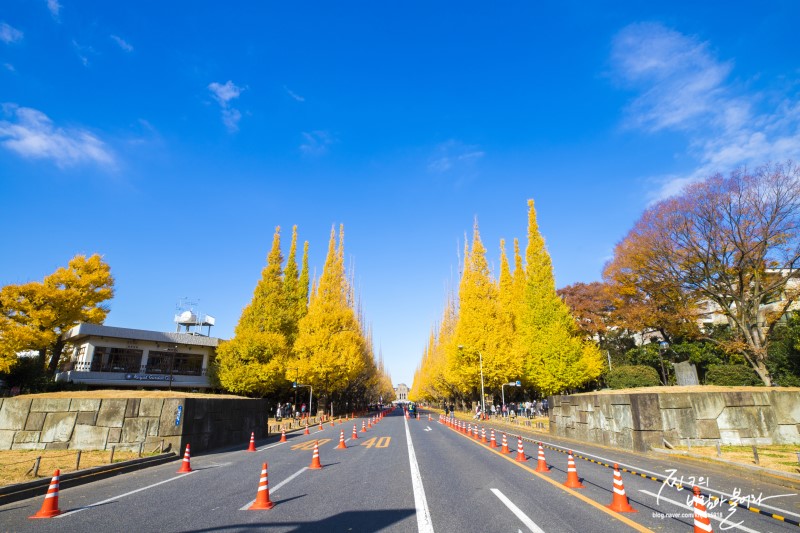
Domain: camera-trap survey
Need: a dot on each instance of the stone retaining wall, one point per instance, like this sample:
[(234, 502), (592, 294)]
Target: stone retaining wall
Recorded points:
[(637, 420), (99, 424)]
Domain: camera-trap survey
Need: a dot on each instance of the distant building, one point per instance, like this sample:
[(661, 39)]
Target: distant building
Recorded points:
[(106, 356), (401, 393)]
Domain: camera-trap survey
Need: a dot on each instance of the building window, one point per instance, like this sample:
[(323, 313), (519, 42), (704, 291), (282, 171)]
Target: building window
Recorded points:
[(116, 359), (187, 364)]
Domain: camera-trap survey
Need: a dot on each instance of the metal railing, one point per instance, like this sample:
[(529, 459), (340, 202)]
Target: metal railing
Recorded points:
[(96, 366)]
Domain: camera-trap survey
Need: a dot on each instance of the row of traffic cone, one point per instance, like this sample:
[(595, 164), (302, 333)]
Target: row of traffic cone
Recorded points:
[(619, 502)]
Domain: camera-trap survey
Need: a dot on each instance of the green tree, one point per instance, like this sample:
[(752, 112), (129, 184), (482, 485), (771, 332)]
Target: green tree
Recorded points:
[(331, 353), (35, 315), (480, 332), (556, 358), (253, 362)]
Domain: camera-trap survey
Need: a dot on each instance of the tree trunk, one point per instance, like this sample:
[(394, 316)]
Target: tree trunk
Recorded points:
[(57, 348)]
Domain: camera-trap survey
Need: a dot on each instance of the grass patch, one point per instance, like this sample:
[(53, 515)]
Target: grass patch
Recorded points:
[(782, 457), (16, 465)]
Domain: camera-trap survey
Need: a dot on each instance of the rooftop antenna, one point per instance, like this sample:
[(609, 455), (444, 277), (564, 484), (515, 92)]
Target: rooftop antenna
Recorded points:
[(193, 321)]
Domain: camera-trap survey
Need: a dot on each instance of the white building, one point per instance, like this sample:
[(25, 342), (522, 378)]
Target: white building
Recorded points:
[(401, 393), (106, 356)]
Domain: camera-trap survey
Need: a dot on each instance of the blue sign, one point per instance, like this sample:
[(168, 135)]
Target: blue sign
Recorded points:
[(518, 383), (178, 415)]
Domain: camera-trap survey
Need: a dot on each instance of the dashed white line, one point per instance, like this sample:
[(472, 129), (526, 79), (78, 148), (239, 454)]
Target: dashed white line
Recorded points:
[(276, 487), (424, 524), (530, 524), (123, 495)]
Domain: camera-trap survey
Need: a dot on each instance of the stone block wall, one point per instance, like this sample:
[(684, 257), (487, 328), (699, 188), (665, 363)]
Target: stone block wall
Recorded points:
[(637, 420), (99, 424)]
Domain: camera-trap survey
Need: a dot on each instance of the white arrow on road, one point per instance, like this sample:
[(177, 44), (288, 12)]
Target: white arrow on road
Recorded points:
[(428, 428)]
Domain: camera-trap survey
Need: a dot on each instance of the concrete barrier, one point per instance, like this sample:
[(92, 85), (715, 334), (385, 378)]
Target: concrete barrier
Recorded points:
[(98, 424), (641, 418)]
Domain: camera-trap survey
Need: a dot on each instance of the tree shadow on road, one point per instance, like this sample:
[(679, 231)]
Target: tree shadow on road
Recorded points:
[(365, 521)]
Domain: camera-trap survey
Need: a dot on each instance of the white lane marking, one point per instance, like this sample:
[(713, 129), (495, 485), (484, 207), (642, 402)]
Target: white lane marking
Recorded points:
[(724, 521), (270, 446), (428, 428), (62, 515), (424, 524), (274, 489), (517, 512)]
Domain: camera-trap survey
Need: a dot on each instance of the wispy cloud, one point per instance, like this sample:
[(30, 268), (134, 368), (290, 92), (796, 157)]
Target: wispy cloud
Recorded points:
[(54, 7), (9, 34), (83, 52), (122, 43), (223, 94), (31, 134), (316, 143), (293, 94), (9, 67), (453, 156), (684, 87)]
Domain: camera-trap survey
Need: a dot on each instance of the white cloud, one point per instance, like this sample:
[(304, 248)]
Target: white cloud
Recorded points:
[(9, 67), (454, 156), (293, 94), (83, 52), (9, 34), (683, 87), (122, 43), (54, 7), (31, 134), (223, 94), (316, 143)]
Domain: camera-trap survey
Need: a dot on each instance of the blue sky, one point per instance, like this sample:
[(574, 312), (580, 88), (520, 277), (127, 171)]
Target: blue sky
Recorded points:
[(172, 137)]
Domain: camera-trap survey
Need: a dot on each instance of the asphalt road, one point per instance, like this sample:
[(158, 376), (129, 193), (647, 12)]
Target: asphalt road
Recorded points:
[(409, 475)]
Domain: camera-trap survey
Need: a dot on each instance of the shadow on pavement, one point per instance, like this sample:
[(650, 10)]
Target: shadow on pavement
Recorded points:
[(347, 521)]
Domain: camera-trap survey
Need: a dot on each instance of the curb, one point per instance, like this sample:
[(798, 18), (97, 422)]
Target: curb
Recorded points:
[(30, 489), (793, 479)]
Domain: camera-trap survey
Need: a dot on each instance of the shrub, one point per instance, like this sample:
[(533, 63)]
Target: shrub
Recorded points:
[(732, 376), (631, 376)]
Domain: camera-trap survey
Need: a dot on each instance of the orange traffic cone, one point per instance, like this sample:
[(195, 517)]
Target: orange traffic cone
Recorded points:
[(475, 434), (315, 464), (572, 474), (363, 427), (355, 432), (306, 432), (541, 464), (186, 466), (369, 423), (283, 435), (505, 449), (520, 451), (333, 422), (429, 417), (320, 425), (483, 435), (50, 504), (252, 447), (701, 522), (619, 501), (492, 440), (262, 502), (341, 445)]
